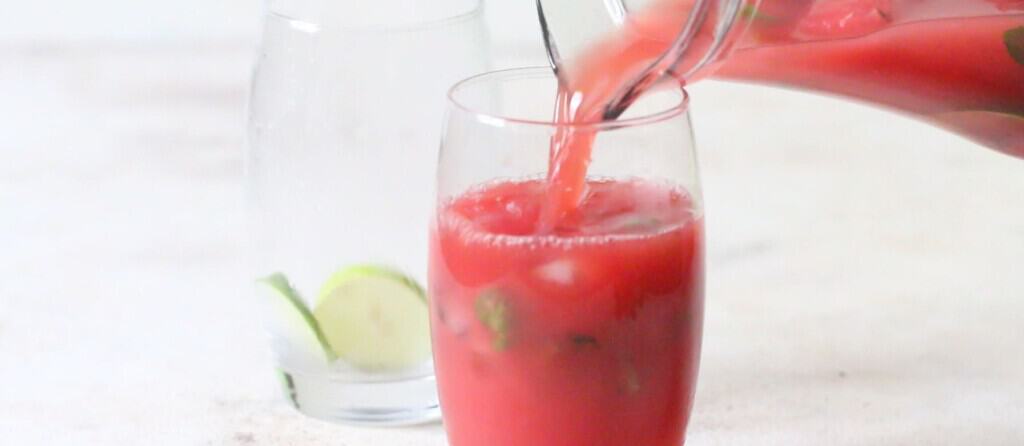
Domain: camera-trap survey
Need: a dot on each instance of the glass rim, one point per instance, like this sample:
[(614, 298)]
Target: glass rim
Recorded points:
[(681, 107)]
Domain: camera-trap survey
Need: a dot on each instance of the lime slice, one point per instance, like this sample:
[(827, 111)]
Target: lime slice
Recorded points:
[(292, 321), (375, 318)]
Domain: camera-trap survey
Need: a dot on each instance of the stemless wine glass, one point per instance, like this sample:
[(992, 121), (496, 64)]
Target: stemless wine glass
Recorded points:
[(346, 99), (585, 333)]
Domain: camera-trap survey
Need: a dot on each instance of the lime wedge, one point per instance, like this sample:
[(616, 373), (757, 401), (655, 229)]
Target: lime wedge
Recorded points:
[(375, 318), (291, 320)]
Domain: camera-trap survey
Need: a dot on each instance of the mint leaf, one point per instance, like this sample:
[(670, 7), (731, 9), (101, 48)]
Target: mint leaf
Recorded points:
[(580, 340), (492, 309), (1014, 41), (753, 13)]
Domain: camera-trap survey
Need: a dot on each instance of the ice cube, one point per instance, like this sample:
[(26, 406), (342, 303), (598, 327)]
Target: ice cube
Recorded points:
[(560, 271)]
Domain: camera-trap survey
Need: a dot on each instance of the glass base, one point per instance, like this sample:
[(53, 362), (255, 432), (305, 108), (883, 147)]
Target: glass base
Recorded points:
[(396, 402)]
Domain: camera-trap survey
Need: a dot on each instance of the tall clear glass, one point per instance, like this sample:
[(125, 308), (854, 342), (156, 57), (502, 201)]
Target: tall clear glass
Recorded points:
[(587, 332), (345, 105)]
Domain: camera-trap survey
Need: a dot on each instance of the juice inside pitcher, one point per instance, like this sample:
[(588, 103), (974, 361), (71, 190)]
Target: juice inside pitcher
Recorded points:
[(958, 64)]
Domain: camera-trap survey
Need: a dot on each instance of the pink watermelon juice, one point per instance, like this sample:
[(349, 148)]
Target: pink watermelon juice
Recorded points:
[(587, 334)]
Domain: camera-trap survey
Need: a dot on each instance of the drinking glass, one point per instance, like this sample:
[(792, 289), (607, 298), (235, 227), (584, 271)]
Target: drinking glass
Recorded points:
[(587, 331), (345, 104)]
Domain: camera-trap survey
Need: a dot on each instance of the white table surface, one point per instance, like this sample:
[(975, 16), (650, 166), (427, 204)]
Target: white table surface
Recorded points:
[(865, 283)]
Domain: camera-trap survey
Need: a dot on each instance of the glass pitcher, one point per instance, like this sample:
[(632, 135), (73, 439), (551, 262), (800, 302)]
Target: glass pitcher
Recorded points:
[(346, 103), (958, 64)]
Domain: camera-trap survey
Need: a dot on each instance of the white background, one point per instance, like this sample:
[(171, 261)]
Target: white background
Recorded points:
[(151, 21), (864, 279)]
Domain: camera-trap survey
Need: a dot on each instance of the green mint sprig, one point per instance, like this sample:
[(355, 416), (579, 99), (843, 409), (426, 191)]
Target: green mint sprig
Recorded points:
[(1014, 40), (492, 309)]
